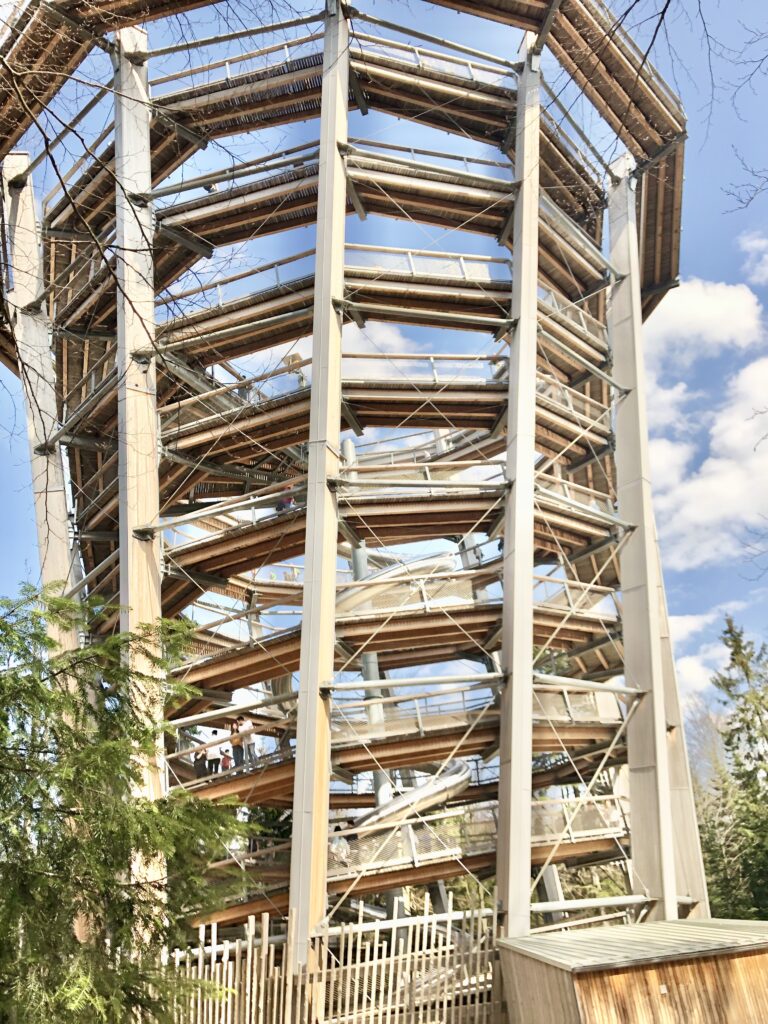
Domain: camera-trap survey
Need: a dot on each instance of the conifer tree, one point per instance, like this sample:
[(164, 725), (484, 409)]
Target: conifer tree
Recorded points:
[(733, 800), (726, 847), (72, 823)]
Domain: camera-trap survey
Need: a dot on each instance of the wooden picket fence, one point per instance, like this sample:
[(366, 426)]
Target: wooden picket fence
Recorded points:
[(435, 968)]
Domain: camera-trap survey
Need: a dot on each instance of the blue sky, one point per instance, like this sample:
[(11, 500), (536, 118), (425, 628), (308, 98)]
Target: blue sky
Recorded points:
[(706, 348), (708, 359)]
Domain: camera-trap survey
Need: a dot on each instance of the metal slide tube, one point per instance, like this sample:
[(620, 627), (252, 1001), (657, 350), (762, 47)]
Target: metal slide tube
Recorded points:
[(442, 787)]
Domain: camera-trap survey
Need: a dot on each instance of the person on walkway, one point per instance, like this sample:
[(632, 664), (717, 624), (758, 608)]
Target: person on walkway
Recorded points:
[(237, 744), (285, 501), (339, 848), (200, 764), (250, 739), (214, 756)]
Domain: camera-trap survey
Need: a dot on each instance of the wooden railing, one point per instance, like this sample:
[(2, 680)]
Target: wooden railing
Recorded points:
[(434, 968)]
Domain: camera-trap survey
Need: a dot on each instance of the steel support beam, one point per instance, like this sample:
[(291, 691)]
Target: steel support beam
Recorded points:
[(309, 848), (653, 854), (546, 26), (513, 869), (38, 378), (138, 451)]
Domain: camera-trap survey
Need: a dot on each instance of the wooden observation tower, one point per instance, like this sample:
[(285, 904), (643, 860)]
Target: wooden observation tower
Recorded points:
[(330, 335)]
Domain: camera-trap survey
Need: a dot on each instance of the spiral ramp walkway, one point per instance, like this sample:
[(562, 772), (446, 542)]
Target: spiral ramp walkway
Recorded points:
[(416, 700)]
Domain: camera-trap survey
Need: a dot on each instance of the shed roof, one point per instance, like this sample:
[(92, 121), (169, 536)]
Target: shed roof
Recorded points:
[(603, 948)]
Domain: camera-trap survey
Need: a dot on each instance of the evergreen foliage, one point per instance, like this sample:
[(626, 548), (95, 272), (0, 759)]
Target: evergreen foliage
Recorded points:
[(725, 847), (733, 798), (73, 829)]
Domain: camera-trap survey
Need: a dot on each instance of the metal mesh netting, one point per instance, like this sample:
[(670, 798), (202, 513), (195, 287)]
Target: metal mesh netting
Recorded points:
[(462, 833)]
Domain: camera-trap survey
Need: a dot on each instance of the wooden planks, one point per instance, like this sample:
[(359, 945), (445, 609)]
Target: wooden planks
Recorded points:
[(731, 989), (422, 969), (555, 999), (700, 971)]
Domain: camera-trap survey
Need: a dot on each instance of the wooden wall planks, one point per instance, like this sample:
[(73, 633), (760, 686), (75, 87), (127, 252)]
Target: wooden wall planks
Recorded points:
[(726, 989)]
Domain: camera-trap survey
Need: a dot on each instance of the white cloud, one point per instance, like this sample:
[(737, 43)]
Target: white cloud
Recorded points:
[(696, 667), (375, 338), (742, 423), (695, 671), (669, 461), (684, 627), (701, 319), (703, 517), (380, 339), (754, 245), (666, 406)]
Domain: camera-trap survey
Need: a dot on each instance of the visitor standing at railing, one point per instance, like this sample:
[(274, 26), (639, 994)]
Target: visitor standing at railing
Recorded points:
[(236, 740), (339, 847), (214, 761), (250, 743), (285, 501), (200, 764)]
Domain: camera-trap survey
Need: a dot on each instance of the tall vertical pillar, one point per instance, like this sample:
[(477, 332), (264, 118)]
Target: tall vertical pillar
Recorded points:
[(513, 870), (138, 462), (37, 374), (309, 849), (369, 661), (653, 861), (689, 865)]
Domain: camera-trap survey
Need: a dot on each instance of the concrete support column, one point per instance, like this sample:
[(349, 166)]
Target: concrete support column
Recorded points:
[(138, 460), (38, 376), (309, 850), (516, 743), (653, 860)]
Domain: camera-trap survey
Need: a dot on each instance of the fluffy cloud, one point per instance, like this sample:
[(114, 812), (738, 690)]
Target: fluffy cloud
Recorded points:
[(694, 671), (708, 655), (684, 627), (754, 245), (707, 505), (669, 461), (696, 667), (700, 319), (703, 516), (379, 339), (667, 405), (700, 651)]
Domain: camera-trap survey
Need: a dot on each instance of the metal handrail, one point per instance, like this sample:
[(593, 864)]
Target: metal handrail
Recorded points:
[(239, 58), (514, 66), (501, 70), (253, 272)]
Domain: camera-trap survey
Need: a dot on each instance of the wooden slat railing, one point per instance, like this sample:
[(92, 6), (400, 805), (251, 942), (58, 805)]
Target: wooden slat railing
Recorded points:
[(432, 968)]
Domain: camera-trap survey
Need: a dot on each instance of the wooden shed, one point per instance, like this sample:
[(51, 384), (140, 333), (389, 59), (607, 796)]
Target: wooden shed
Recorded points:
[(673, 972)]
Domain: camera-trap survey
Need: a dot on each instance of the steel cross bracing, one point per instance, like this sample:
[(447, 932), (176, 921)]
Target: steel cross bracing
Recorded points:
[(441, 610)]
